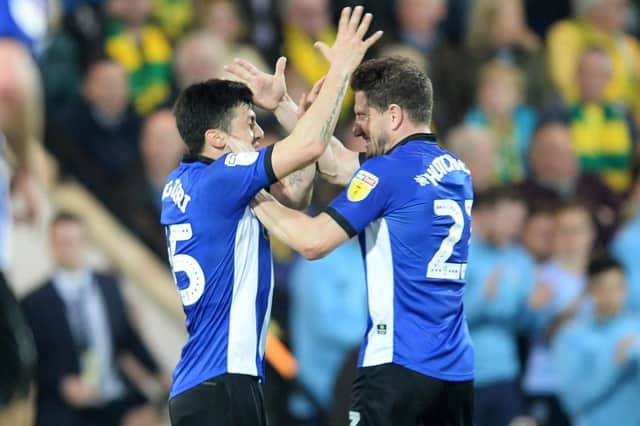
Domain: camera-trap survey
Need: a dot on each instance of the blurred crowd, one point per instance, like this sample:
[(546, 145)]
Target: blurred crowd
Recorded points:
[(540, 98)]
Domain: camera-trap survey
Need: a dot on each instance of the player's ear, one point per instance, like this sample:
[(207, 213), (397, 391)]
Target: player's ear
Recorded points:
[(396, 116), (215, 138)]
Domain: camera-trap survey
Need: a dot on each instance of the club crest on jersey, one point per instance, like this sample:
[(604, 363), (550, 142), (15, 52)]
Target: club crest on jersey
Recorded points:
[(241, 159), (361, 185)]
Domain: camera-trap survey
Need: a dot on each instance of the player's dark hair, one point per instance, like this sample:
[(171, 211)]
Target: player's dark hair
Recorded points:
[(395, 80), (492, 196), (208, 105), (65, 217), (603, 263)]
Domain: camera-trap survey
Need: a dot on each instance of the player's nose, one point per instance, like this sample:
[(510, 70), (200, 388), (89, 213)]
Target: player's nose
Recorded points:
[(258, 133), (357, 130)]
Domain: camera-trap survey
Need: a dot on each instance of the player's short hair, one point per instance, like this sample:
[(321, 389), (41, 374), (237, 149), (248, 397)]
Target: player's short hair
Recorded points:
[(65, 217), (603, 263), (395, 80), (207, 105), (496, 194)]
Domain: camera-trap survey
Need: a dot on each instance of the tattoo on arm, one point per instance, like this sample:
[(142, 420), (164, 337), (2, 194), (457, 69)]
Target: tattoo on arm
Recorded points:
[(296, 178), (324, 133)]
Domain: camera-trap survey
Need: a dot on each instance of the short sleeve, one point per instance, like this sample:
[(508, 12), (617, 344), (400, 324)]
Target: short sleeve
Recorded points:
[(362, 201), (242, 176)]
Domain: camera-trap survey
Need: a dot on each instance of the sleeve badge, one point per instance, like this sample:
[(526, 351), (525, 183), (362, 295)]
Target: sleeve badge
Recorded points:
[(361, 185)]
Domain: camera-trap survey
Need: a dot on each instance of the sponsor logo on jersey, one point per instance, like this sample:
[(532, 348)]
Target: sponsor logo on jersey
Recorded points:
[(361, 185), (439, 168), (241, 159)]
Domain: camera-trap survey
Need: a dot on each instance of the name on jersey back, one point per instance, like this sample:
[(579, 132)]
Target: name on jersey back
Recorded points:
[(439, 168), (174, 190)]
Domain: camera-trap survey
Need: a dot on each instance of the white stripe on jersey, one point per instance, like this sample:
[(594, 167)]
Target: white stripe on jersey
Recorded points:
[(241, 352), (267, 317), (379, 263)]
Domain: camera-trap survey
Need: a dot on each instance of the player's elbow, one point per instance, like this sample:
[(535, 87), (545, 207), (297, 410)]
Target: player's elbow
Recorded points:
[(313, 250), (315, 149)]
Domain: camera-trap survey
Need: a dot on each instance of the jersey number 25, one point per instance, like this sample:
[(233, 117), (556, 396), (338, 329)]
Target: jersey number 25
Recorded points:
[(185, 263)]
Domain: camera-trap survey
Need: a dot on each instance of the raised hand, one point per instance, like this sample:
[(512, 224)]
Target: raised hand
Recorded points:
[(307, 98), (350, 45), (268, 89)]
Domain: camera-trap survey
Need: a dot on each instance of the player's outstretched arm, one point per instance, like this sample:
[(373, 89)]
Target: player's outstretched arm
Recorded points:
[(270, 92), (313, 131), (336, 165), (312, 237)]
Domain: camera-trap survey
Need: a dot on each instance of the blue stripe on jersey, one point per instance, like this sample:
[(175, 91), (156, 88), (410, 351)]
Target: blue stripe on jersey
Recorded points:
[(221, 258), (411, 209), (24, 20)]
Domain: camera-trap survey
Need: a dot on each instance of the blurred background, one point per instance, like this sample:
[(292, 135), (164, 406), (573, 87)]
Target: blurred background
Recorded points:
[(540, 98)]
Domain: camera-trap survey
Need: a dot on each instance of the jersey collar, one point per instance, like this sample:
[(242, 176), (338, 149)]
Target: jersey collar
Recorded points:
[(190, 158), (418, 137)]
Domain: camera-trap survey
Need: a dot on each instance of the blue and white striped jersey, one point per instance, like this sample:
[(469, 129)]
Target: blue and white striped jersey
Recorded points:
[(24, 20), (221, 259), (412, 210)]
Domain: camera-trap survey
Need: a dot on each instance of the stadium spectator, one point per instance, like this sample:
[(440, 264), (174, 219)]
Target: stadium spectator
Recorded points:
[(175, 17), (597, 354), (625, 247), (307, 21), (418, 23), (418, 27), (555, 177), (263, 19), (82, 328), (161, 149), (602, 132), (222, 18), (476, 148), (598, 23), (141, 47), (558, 292), (198, 57), (328, 316), (537, 232), (498, 31), (501, 110), (96, 137), (499, 280)]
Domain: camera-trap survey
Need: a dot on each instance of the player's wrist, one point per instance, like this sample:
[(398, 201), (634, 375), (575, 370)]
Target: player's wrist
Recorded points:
[(286, 104)]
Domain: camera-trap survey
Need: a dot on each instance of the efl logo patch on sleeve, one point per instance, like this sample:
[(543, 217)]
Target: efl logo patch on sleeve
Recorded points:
[(361, 185), (241, 159)]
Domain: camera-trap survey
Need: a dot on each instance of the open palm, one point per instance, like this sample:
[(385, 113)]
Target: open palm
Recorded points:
[(268, 89)]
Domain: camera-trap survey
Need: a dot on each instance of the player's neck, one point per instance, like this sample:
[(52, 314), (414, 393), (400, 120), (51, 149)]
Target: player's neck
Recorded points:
[(211, 153), (405, 132)]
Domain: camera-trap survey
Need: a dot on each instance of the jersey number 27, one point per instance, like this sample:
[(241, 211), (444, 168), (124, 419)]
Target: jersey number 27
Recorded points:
[(439, 267)]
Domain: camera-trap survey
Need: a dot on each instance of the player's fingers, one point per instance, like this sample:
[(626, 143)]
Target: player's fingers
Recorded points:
[(281, 64), (316, 88), (373, 39), (238, 71), (364, 25), (323, 48), (355, 18), (302, 104), (344, 20), (248, 66)]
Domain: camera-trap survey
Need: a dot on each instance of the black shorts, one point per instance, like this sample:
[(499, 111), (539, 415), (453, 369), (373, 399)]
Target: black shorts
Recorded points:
[(227, 400), (391, 395)]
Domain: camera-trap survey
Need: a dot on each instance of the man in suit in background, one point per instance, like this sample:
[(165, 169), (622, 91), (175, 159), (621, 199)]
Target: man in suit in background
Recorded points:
[(82, 330)]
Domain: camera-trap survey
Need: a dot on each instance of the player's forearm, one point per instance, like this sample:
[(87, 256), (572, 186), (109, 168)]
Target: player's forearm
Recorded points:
[(287, 113), (335, 168), (295, 190), (315, 128), (290, 226)]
